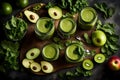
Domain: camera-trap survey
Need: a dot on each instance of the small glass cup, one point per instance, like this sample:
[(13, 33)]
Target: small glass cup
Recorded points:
[(44, 28), (67, 27)]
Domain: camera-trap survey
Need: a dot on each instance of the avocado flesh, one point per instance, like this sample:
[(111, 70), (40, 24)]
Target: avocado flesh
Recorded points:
[(47, 67), (35, 67), (27, 62), (55, 12), (31, 16), (33, 53)]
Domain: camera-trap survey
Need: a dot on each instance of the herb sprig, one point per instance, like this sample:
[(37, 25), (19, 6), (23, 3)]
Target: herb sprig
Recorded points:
[(8, 56), (105, 9)]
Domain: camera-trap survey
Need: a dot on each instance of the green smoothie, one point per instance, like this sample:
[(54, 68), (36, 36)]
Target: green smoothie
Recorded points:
[(72, 55), (44, 28), (67, 27), (50, 52), (87, 18)]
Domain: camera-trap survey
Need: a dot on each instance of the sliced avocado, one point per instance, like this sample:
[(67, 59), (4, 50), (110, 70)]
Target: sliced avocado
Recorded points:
[(47, 67), (27, 62), (33, 53), (55, 12), (35, 67), (31, 16)]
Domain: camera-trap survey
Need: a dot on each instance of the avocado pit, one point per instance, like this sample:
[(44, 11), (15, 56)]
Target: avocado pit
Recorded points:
[(32, 17)]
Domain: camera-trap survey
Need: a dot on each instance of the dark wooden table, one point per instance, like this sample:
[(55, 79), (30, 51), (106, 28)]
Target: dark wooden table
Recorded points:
[(100, 72)]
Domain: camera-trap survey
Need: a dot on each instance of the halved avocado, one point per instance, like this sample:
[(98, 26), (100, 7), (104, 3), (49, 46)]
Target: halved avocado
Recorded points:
[(31, 16), (55, 12), (27, 62), (50, 52), (35, 67), (33, 53), (47, 67)]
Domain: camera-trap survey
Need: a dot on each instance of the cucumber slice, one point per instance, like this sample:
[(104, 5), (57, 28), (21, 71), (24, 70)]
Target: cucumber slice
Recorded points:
[(87, 64), (33, 53), (50, 52), (99, 58)]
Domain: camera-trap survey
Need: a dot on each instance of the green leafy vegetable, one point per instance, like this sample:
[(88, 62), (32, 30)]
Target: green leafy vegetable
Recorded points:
[(49, 24), (73, 5), (49, 5), (87, 39), (111, 45), (105, 9), (15, 28), (69, 75), (8, 56)]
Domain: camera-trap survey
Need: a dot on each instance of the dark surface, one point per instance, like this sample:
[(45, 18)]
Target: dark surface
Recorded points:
[(100, 72)]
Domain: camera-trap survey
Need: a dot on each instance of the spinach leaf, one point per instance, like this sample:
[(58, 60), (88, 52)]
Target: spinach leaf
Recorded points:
[(8, 56), (73, 6), (15, 28), (105, 9), (87, 39), (111, 45)]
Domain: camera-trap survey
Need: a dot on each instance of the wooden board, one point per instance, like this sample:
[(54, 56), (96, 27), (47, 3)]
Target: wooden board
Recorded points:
[(30, 40)]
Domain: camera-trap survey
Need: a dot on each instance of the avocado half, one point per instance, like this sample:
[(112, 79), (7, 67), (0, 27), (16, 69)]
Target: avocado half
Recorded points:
[(31, 16)]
